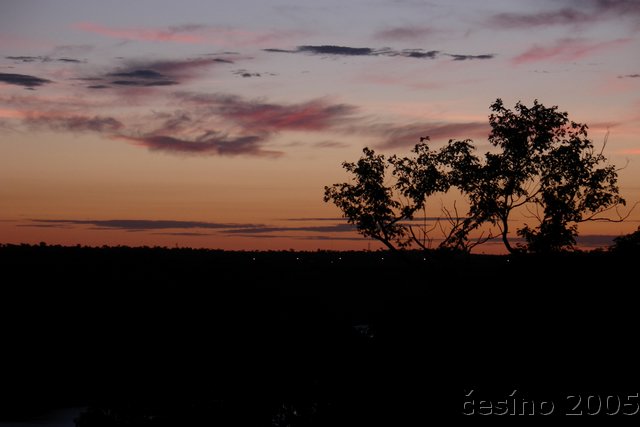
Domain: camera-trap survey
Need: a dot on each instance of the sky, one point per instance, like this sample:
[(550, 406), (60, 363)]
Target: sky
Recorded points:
[(217, 124)]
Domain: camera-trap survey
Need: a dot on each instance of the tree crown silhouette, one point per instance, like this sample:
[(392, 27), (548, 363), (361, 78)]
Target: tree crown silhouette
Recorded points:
[(541, 163)]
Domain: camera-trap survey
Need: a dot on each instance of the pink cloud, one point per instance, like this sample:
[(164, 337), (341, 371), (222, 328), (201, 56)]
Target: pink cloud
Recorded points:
[(311, 116), (11, 114), (139, 33), (567, 50), (190, 34), (257, 116)]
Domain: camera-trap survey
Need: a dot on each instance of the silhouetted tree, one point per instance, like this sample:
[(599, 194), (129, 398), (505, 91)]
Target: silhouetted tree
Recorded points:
[(541, 163), (627, 244), (368, 203), (385, 212), (548, 165)]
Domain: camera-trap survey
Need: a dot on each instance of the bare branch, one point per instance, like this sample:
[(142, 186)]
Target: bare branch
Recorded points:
[(604, 143), (417, 241), (621, 218)]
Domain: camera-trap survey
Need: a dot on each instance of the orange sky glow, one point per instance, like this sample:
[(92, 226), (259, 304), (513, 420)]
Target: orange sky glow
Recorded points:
[(197, 124)]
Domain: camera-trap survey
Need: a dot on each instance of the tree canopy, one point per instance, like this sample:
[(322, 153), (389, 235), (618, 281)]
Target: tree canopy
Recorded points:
[(541, 164)]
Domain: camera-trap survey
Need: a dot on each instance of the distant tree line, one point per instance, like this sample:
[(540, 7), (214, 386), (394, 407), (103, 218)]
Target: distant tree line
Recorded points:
[(541, 164)]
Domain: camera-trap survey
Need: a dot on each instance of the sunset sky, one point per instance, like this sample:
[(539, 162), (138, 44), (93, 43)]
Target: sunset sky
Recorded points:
[(218, 123)]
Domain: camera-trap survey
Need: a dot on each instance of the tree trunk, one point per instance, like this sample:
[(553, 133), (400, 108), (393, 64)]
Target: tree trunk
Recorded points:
[(505, 238)]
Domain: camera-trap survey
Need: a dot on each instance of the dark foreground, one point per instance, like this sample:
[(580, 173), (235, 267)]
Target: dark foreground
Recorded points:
[(161, 337)]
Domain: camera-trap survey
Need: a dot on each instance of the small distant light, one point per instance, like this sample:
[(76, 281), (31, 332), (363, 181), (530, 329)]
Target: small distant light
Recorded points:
[(339, 258), (382, 259), (424, 259), (253, 258), (297, 259)]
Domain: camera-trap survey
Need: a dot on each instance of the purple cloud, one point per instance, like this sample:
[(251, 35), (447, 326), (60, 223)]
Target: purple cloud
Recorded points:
[(567, 50), (74, 123), (264, 117), (209, 144), (577, 12), (541, 19)]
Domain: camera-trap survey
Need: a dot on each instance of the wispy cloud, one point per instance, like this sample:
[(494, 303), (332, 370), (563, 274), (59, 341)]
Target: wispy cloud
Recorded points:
[(299, 237), (183, 234), (569, 49), (200, 124), (251, 124), (337, 50), (191, 34), (140, 224), (230, 125), (141, 73), (28, 59), (330, 144), (265, 117), (180, 34), (74, 123), (248, 74), (212, 143), (595, 240), (540, 19), (143, 83), (471, 57), (629, 76), (331, 50), (192, 228), (24, 80), (574, 13), (398, 136), (404, 33), (336, 228)]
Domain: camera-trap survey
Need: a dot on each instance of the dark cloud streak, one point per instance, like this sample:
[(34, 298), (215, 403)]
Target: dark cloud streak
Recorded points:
[(28, 59), (140, 224), (228, 229), (330, 50), (143, 83), (337, 50), (210, 144), (577, 12), (470, 57), (541, 19), (148, 74), (23, 80), (138, 74), (336, 228)]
